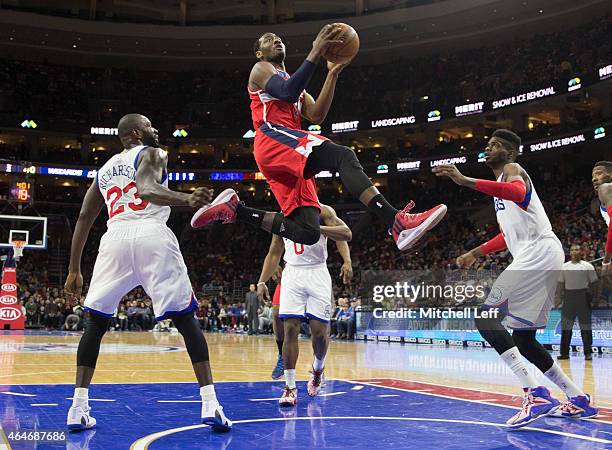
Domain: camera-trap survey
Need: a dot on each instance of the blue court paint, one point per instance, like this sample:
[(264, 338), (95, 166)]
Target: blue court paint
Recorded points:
[(364, 418)]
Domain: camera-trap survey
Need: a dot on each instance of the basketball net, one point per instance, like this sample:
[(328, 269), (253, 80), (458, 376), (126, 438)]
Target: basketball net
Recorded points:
[(18, 249)]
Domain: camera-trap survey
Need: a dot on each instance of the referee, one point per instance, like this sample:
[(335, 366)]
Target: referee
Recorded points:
[(577, 284)]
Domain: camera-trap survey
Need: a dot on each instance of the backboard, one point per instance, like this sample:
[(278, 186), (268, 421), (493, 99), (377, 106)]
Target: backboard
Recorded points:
[(32, 229)]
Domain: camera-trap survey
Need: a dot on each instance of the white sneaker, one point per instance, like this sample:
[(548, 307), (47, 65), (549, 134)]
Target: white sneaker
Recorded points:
[(213, 416), (79, 418)]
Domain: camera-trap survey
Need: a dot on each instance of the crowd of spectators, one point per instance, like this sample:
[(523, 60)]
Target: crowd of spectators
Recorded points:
[(224, 260)]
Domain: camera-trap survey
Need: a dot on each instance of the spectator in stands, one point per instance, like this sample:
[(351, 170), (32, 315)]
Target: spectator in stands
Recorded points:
[(252, 308), (265, 317), (345, 320)]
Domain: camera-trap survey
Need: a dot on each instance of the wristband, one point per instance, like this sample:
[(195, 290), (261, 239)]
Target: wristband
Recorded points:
[(261, 282)]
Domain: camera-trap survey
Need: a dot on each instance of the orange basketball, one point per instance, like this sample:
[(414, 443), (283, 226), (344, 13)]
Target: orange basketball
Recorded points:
[(344, 52)]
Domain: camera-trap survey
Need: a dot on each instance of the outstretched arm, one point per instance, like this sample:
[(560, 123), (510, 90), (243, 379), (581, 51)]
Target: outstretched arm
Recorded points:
[(497, 244), (264, 77), (514, 189), (335, 228), (151, 165), (316, 111), (270, 264), (92, 205)]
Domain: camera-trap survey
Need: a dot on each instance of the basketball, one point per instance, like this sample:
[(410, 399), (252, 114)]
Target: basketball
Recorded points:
[(344, 52)]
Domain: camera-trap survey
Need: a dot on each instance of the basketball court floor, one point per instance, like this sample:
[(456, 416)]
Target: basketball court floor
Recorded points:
[(378, 395)]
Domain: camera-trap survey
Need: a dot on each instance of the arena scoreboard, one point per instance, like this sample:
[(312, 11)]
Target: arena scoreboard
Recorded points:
[(21, 190)]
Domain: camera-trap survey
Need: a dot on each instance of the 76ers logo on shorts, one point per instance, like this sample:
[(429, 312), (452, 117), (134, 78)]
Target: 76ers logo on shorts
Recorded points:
[(327, 311), (9, 287)]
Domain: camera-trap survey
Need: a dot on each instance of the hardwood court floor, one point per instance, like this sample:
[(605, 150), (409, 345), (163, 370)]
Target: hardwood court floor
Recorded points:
[(137, 357), (377, 395)]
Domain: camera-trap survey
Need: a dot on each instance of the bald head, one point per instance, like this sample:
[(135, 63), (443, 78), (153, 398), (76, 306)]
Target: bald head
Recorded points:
[(131, 122), (136, 129)]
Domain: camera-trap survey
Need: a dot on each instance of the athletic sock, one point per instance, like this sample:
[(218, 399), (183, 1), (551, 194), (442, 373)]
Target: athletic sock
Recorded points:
[(318, 364), (383, 209), (518, 365), (279, 344), (557, 376), (290, 378), (248, 215), (81, 397), (208, 393), (209, 400)]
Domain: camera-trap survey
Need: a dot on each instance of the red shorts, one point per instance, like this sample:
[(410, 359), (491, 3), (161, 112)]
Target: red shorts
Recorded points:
[(276, 297), (281, 154)]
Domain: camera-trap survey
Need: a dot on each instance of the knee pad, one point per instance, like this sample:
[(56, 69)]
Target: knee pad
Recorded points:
[(349, 159), (308, 236)]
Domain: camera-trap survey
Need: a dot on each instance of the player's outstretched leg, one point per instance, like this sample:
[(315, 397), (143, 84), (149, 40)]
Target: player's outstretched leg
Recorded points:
[(578, 404), (537, 401), (212, 411), (406, 228), (79, 417), (279, 334), (320, 343), (290, 355)]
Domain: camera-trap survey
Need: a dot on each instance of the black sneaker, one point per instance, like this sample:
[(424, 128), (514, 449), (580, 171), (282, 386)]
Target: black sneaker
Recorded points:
[(563, 357)]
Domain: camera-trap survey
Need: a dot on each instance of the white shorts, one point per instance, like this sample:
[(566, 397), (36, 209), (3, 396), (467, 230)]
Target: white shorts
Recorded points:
[(306, 292), (142, 253), (525, 291)]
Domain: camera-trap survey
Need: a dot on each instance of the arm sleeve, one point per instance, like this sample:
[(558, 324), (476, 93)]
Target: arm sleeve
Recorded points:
[(289, 90), (494, 245), (513, 190)]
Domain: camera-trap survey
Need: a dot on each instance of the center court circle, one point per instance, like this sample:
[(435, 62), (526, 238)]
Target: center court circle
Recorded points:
[(510, 436)]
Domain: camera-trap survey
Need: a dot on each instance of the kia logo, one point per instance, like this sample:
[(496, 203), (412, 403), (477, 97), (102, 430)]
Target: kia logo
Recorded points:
[(9, 314), (9, 287), (8, 299)]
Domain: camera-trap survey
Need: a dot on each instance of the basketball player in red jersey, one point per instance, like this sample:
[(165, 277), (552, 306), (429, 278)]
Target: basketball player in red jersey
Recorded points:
[(602, 182), (289, 157)]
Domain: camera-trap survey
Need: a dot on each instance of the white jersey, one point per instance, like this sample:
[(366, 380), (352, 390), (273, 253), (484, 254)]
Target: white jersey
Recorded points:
[(523, 224), (300, 255), (117, 184), (604, 214)]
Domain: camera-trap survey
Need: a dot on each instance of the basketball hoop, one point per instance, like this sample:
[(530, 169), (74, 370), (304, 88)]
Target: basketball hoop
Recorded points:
[(18, 248)]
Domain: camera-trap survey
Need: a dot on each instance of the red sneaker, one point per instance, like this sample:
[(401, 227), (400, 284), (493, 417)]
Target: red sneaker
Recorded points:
[(289, 397), (316, 382), (223, 208), (409, 228)]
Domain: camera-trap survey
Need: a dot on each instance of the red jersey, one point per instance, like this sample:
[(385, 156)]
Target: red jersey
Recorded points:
[(265, 108)]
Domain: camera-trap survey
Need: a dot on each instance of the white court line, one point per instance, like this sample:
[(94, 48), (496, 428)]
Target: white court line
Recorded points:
[(388, 395), (357, 388), (43, 404), (144, 442), (179, 401), (264, 399), (18, 394), (331, 394), (95, 399)]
